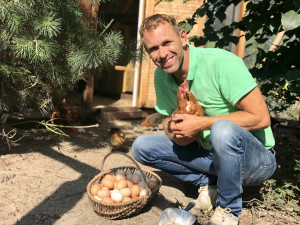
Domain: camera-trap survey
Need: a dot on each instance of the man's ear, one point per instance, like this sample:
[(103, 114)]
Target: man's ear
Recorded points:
[(183, 37)]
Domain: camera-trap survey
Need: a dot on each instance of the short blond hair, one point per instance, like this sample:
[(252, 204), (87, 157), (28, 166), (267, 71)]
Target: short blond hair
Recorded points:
[(153, 21)]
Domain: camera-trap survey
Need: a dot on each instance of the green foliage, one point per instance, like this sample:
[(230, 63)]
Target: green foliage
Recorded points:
[(284, 197), (45, 48), (277, 71)]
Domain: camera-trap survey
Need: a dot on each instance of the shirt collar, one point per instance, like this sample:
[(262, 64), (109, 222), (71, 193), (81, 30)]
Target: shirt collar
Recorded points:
[(192, 63)]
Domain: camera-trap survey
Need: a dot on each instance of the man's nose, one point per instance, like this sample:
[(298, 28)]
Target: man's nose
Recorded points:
[(162, 53)]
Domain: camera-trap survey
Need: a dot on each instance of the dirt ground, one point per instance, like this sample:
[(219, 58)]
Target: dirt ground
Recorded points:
[(43, 179)]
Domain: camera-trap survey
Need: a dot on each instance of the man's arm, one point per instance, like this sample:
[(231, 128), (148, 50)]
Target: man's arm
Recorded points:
[(254, 115)]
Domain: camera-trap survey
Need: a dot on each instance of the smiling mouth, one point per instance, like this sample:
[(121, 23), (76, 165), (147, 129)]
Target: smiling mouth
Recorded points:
[(167, 63)]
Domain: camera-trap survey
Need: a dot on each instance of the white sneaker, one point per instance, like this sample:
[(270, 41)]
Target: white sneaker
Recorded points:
[(207, 198), (223, 217)]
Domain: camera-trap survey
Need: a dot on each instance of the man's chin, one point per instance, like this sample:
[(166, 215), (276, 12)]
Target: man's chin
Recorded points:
[(169, 70)]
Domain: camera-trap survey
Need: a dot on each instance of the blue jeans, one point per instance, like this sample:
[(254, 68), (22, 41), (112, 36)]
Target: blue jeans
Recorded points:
[(236, 158)]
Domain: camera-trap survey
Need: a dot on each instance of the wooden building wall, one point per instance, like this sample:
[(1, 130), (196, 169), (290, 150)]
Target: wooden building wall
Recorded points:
[(179, 11)]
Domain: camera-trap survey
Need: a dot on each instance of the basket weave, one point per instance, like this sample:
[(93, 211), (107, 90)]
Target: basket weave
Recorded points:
[(126, 209)]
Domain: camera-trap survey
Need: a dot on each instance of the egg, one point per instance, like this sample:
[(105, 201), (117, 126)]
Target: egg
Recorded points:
[(135, 190), (142, 184), (128, 172), (121, 184), (97, 197), (103, 193), (126, 199), (143, 192), (128, 176), (120, 176), (138, 172), (115, 184), (152, 184), (107, 200), (129, 183), (116, 196), (126, 192), (135, 178), (107, 183), (109, 176), (135, 197), (120, 171), (95, 188)]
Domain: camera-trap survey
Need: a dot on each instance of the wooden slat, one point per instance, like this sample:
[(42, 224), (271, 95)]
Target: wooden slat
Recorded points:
[(240, 47)]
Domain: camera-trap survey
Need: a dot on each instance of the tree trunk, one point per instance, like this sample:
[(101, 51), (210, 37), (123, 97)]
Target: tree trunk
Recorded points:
[(89, 18)]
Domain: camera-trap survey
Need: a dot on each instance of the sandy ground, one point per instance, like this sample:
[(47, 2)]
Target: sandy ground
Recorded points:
[(43, 180)]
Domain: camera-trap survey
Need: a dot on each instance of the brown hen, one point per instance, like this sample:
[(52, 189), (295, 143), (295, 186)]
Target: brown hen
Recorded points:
[(187, 104)]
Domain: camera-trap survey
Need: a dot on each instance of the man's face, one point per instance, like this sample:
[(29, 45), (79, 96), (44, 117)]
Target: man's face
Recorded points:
[(165, 47)]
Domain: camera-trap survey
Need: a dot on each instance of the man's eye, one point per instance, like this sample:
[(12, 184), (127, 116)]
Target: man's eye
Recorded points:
[(167, 43), (152, 49)]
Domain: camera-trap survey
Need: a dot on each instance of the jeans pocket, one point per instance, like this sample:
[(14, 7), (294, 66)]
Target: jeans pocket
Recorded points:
[(262, 174)]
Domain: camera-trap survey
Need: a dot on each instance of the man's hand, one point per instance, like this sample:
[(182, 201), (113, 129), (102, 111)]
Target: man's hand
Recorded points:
[(182, 129)]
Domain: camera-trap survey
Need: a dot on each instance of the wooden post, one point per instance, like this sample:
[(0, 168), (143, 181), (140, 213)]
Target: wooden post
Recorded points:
[(240, 47), (89, 18)]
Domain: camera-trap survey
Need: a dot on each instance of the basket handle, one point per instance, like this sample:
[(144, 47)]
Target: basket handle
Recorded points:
[(134, 162)]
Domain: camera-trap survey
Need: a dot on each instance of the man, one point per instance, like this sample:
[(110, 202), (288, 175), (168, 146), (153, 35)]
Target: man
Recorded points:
[(236, 127)]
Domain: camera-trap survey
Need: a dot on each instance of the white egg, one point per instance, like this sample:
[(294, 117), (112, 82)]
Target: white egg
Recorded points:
[(142, 184), (143, 192), (138, 172), (128, 176), (97, 197), (127, 172), (120, 171), (116, 196)]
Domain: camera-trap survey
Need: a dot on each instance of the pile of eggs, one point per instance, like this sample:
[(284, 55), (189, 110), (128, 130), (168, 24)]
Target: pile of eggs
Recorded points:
[(122, 186)]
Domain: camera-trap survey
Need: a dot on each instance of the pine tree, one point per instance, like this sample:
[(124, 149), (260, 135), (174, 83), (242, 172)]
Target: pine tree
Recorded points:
[(45, 48)]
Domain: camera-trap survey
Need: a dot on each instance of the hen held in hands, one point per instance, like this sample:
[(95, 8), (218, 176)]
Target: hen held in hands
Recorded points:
[(187, 104)]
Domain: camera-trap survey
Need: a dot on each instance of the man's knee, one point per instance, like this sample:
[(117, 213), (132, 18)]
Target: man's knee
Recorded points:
[(222, 130), (137, 148)]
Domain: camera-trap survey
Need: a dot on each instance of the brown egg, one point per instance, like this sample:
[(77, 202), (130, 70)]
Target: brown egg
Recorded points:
[(126, 192), (107, 200), (107, 183), (126, 199), (115, 184), (95, 188), (135, 190), (104, 192), (121, 184), (120, 176), (109, 176), (129, 183), (152, 184)]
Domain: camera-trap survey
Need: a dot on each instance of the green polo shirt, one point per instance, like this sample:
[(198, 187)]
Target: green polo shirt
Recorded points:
[(218, 79)]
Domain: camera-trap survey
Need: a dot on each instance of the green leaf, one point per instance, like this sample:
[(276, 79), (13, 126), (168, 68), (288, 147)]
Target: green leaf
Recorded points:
[(186, 26), (290, 20), (292, 75)]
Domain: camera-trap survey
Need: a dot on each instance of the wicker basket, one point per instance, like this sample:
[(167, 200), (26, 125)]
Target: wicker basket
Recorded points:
[(126, 209)]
